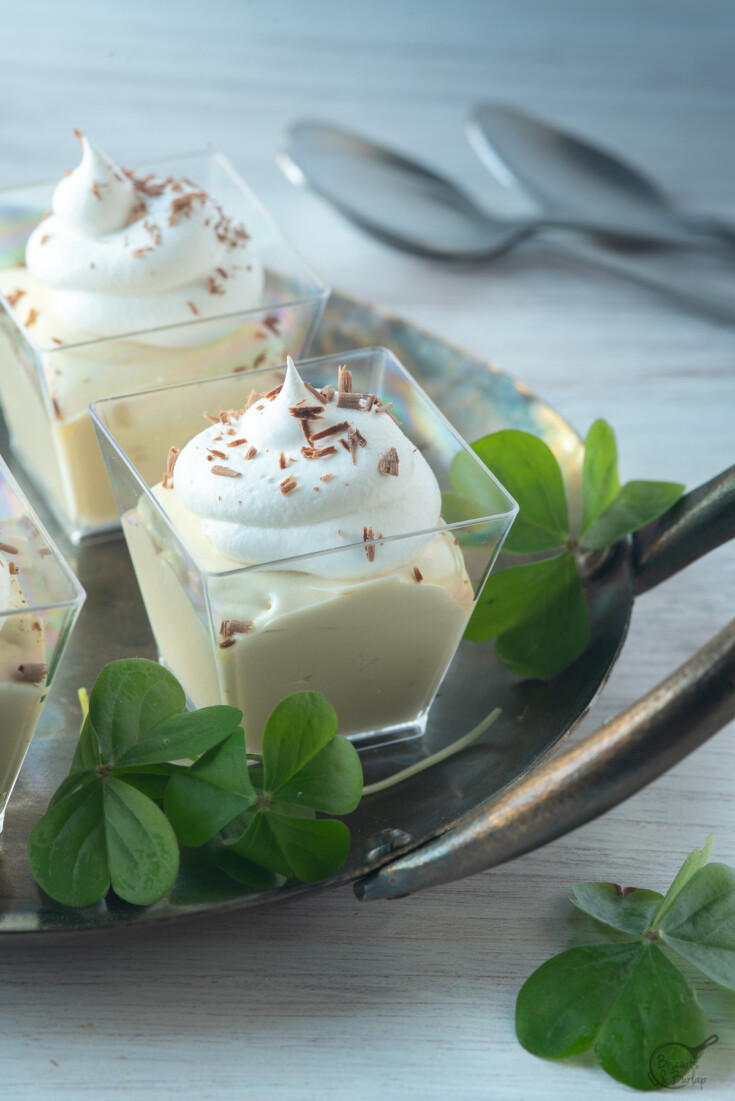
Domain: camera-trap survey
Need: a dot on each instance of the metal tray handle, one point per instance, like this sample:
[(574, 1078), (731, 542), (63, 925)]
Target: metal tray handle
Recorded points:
[(620, 758)]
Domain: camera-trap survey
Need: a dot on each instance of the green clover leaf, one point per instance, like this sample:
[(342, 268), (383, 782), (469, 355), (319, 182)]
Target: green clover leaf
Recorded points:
[(629, 1001)]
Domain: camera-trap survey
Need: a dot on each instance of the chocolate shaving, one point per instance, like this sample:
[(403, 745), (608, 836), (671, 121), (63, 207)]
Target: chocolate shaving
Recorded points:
[(46, 237), (230, 627), (253, 397), (138, 252), (34, 672), (8, 548), (306, 429), (56, 340), (272, 322), (31, 319), (259, 359), (225, 471), (282, 460), (344, 380), (318, 452), (367, 534), (193, 308), (306, 412), (95, 190), (13, 569), (251, 453), (212, 419), (327, 393), (389, 462), (237, 443), (288, 485), (14, 296), (227, 642), (273, 394), (349, 400), (317, 393), (387, 409), (213, 286), (344, 443), (222, 272), (219, 454), (173, 454), (183, 204), (332, 431), (154, 232), (355, 439), (417, 574)]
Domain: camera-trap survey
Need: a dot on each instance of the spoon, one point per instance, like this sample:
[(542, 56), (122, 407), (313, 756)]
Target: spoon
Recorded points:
[(580, 183), (413, 208), (408, 205)]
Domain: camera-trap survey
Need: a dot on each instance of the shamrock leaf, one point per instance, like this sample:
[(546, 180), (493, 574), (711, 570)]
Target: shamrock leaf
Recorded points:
[(700, 925), (217, 788), (527, 468), (629, 909), (305, 768), (696, 860), (629, 1001), (106, 833), (636, 504), (129, 699), (600, 482), (296, 730), (67, 850), (537, 612), (181, 736), (142, 852)]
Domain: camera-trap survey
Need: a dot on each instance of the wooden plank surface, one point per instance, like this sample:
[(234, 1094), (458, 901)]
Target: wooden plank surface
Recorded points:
[(325, 997)]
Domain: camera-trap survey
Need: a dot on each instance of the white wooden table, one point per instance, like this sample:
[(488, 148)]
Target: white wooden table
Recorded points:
[(326, 997)]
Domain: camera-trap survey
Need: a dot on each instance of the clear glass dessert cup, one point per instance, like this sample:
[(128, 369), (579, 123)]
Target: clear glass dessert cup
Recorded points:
[(378, 647), (45, 390), (44, 602)]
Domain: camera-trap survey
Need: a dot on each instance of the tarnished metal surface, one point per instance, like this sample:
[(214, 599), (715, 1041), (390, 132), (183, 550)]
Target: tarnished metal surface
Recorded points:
[(536, 715)]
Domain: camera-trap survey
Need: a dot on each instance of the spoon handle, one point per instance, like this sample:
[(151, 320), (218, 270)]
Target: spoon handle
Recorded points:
[(714, 305)]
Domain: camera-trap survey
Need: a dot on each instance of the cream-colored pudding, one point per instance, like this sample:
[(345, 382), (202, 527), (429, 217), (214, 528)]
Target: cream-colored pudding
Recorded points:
[(128, 284), (23, 670), (373, 627)]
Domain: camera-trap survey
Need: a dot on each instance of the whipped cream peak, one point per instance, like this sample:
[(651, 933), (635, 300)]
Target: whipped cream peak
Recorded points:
[(97, 198), (127, 254), (302, 470)]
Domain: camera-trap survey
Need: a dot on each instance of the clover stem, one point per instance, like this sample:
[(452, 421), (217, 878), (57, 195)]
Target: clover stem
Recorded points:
[(435, 758)]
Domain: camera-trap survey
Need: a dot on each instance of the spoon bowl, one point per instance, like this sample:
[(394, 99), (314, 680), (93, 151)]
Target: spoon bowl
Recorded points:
[(581, 184), (397, 200)]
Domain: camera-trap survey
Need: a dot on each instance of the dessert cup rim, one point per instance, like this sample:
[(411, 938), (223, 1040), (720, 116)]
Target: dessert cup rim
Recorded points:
[(343, 357), (321, 293)]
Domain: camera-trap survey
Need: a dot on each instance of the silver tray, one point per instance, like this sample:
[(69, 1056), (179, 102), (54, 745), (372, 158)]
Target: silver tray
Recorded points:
[(496, 799)]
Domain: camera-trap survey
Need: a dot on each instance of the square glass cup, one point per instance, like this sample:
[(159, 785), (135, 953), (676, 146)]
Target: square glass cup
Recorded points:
[(377, 646), (43, 601), (45, 391)]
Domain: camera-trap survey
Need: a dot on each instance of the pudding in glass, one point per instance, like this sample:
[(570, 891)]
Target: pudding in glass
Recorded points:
[(296, 543), (133, 279)]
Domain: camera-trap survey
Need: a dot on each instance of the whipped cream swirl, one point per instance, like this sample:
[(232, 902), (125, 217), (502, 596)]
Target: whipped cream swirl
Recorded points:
[(123, 254), (295, 474)]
